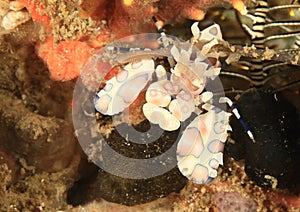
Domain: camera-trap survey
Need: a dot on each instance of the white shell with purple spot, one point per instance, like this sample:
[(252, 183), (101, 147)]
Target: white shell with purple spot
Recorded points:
[(199, 151)]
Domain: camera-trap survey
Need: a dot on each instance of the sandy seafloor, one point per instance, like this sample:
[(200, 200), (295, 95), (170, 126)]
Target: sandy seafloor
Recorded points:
[(42, 166)]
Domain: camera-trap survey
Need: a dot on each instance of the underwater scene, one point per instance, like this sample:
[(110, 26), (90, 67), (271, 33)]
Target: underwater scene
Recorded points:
[(150, 105)]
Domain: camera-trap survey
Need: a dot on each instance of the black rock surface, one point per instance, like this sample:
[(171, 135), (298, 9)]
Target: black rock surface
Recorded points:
[(274, 158)]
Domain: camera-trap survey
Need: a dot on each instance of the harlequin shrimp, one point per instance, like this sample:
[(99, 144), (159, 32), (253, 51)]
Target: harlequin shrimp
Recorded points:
[(174, 90)]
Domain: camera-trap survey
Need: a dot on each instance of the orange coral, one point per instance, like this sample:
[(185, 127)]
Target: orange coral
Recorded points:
[(131, 17), (124, 17), (36, 12), (239, 6), (65, 59), (91, 8), (195, 14), (177, 10)]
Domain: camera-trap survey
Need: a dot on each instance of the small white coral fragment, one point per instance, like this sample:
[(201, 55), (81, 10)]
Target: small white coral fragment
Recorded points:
[(13, 15), (14, 18)]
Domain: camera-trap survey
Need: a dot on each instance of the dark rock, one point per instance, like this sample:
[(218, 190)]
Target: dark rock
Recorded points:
[(273, 160)]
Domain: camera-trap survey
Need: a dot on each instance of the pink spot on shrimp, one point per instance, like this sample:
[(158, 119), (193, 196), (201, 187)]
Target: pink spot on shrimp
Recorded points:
[(122, 76), (216, 146)]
